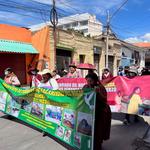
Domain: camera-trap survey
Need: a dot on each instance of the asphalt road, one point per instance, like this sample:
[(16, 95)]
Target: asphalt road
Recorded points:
[(15, 135)]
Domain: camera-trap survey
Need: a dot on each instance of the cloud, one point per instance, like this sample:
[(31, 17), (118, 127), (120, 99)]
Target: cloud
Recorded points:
[(143, 38), (133, 40), (96, 7), (146, 37), (18, 19), (8, 16)]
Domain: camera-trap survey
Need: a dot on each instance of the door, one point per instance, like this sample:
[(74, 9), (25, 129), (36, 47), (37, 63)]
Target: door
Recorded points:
[(63, 59), (16, 62)]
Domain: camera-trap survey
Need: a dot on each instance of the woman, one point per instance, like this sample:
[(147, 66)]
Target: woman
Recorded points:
[(35, 78), (102, 111), (130, 73), (135, 101), (11, 78), (73, 72), (106, 74), (47, 81), (55, 75)]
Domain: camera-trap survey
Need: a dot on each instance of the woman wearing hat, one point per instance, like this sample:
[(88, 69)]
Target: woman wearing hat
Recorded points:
[(11, 78), (35, 78), (47, 81), (73, 72)]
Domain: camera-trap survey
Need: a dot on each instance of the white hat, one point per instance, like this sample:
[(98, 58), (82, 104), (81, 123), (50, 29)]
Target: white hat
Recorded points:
[(134, 70), (44, 71)]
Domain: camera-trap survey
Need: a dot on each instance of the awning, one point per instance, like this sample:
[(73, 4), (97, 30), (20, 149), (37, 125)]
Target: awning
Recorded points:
[(16, 47)]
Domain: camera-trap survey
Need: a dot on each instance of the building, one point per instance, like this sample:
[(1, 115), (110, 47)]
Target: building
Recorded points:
[(74, 47), (85, 23), (16, 50), (132, 54), (145, 45), (114, 52)]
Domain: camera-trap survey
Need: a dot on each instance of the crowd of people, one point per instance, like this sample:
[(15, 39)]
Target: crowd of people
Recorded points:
[(47, 79), (39, 78), (133, 69)]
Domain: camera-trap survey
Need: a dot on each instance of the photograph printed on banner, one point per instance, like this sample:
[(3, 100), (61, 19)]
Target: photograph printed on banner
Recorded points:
[(37, 109), (53, 114), (26, 105), (15, 112), (67, 136), (13, 107), (69, 118), (77, 140), (2, 107), (3, 97), (60, 131), (84, 124)]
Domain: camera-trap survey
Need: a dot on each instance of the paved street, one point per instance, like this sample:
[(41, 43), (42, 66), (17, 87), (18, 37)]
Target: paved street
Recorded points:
[(15, 135), (122, 136)]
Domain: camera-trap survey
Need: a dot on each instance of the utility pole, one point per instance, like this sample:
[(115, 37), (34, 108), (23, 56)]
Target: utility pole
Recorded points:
[(54, 22), (107, 37)]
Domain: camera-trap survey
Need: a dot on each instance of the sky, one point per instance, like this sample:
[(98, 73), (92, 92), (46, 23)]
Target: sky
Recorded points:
[(131, 23)]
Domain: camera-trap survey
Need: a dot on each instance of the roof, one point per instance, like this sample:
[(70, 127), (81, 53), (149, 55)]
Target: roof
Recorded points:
[(143, 44), (132, 46), (16, 47), (14, 33)]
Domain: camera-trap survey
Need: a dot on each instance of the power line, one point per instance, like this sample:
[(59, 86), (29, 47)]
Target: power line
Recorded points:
[(118, 9), (124, 30)]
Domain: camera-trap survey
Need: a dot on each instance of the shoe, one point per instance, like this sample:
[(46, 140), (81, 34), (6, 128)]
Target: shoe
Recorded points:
[(136, 120), (44, 134), (126, 122)]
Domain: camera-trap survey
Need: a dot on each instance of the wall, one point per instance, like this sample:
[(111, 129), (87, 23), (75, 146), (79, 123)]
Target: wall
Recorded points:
[(80, 45), (41, 41)]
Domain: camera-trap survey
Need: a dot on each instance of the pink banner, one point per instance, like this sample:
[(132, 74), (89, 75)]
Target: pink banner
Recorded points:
[(129, 95), (124, 95), (71, 83)]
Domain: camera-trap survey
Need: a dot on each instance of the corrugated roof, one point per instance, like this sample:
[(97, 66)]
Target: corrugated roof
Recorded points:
[(16, 47)]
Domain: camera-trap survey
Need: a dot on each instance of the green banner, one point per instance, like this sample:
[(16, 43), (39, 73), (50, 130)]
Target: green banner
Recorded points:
[(67, 115)]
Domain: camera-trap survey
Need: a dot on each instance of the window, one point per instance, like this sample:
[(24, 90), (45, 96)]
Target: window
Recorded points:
[(67, 26), (61, 27), (84, 23), (81, 58), (74, 24), (84, 30)]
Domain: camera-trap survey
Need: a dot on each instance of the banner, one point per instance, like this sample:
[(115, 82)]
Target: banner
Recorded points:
[(129, 95), (71, 83), (67, 115)]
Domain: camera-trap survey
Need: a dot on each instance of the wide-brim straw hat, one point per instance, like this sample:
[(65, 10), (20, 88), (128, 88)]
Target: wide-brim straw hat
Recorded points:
[(44, 71)]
